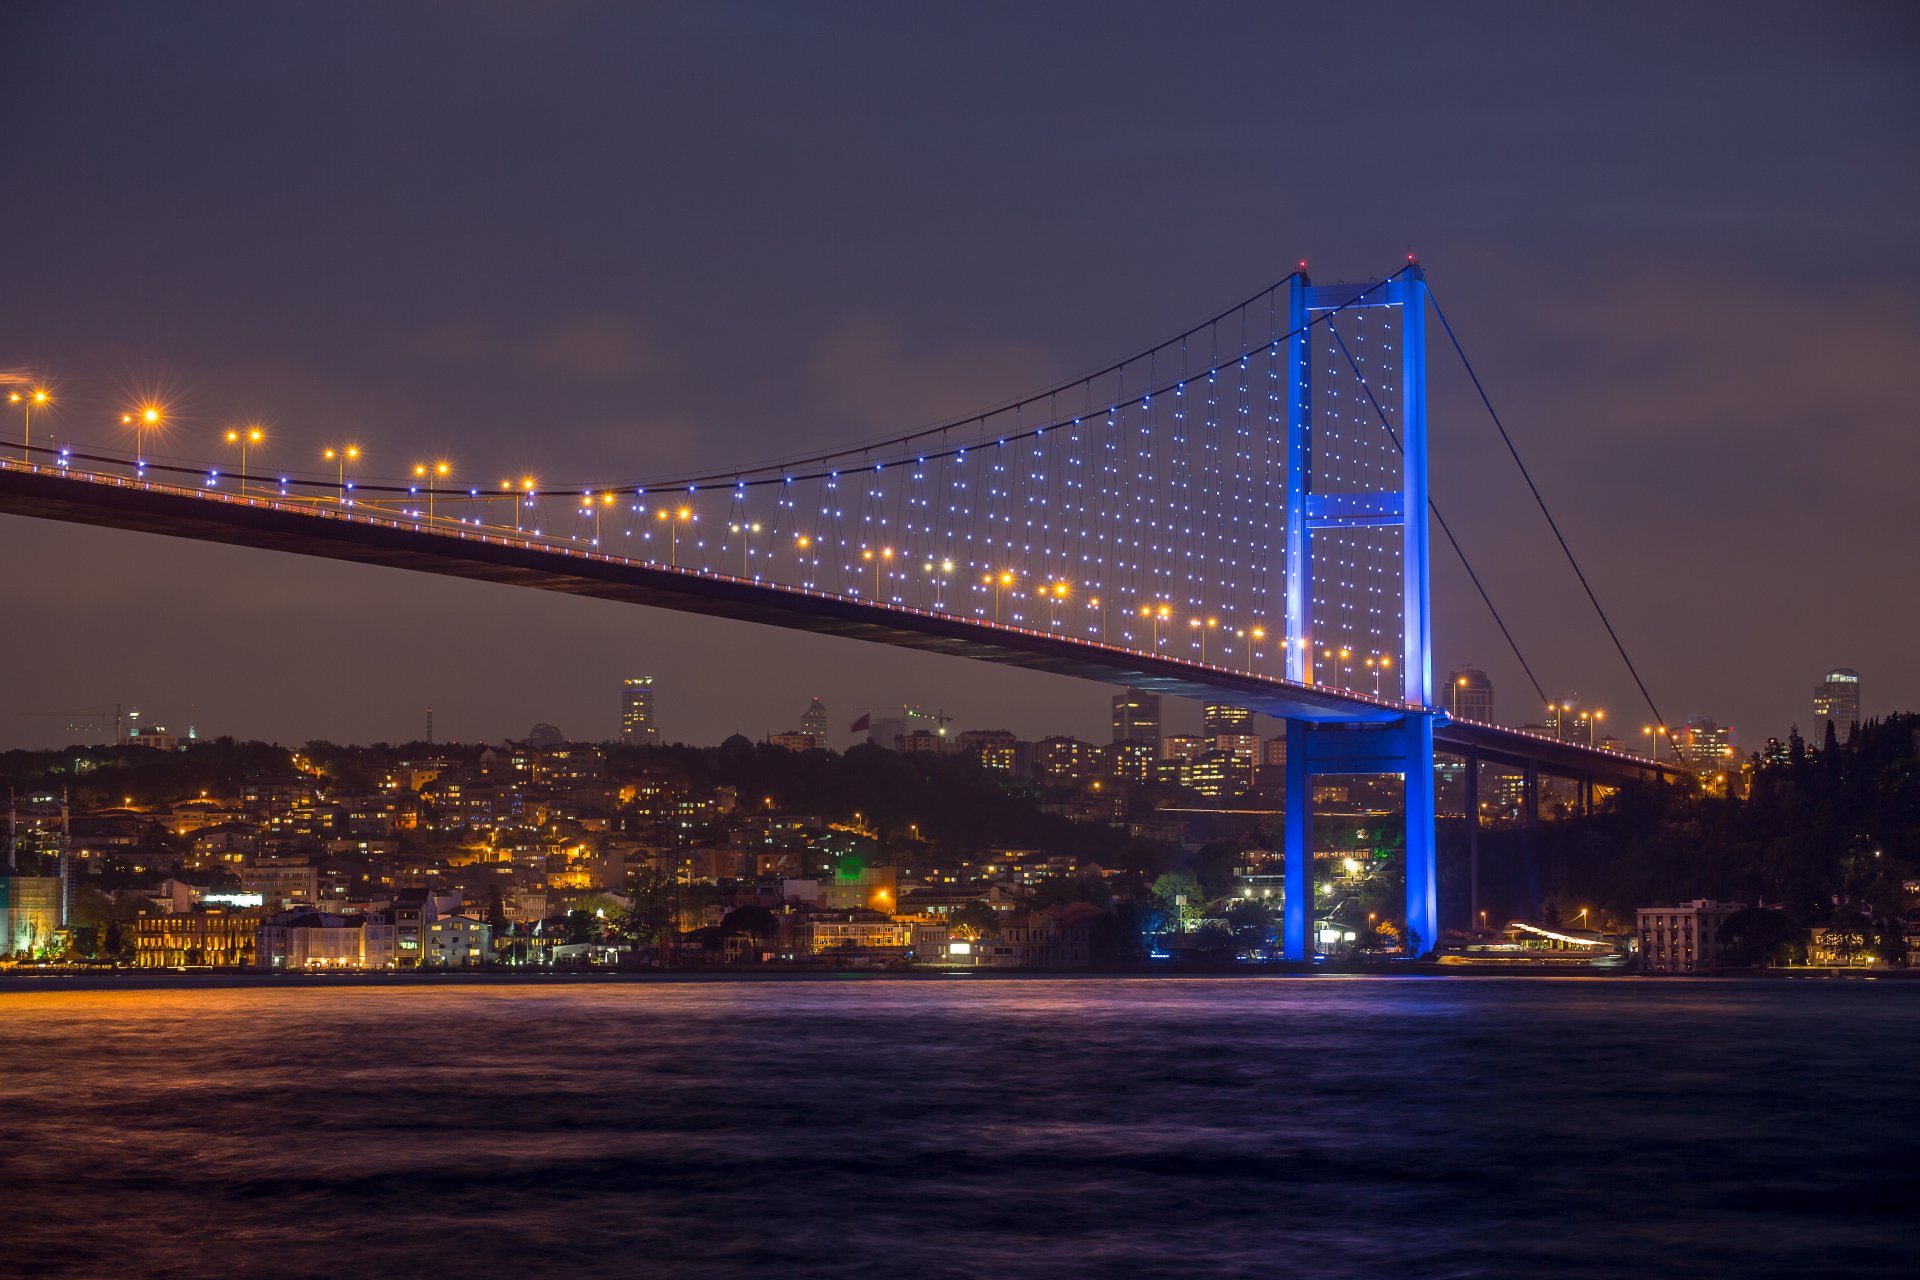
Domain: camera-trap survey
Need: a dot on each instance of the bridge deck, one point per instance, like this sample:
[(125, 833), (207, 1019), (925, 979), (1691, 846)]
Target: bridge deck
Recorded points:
[(366, 537)]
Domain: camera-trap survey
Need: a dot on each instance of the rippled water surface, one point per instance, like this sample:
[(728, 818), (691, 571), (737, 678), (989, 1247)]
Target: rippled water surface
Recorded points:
[(964, 1127)]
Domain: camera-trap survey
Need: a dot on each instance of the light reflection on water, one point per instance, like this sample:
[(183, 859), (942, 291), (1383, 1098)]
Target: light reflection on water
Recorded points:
[(1125, 1127)]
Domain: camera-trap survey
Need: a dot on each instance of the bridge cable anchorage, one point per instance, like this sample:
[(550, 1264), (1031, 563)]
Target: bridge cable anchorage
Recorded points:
[(1553, 524), (1442, 521), (787, 469)]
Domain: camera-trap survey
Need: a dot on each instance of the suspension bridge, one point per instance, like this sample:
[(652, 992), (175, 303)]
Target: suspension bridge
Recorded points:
[(1238, 514)]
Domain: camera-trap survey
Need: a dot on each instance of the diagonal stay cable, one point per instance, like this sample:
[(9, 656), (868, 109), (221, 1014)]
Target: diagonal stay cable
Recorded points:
[(1440, 519), (1552, 523)]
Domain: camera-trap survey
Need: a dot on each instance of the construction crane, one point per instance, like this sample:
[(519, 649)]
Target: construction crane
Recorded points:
[(83, 721)]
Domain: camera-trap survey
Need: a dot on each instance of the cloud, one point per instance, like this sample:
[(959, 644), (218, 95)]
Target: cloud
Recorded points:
[(596, 346), (867, 371)]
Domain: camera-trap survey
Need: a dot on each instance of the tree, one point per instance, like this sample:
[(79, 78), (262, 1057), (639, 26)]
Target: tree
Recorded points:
[(758, 921), (582, 926), (1214, 866), (1755, 935), (975, 920), (650, 906), (1178, 895)]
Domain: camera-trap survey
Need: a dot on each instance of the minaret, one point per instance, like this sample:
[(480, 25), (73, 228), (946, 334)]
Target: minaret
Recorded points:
[(66, 866)]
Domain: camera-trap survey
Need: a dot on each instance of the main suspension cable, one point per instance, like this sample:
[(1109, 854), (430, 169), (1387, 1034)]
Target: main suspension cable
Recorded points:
[(1439, 519), (1552, 523)]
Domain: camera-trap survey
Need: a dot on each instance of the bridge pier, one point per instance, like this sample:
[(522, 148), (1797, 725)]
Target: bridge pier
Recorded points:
[(1404, 747)]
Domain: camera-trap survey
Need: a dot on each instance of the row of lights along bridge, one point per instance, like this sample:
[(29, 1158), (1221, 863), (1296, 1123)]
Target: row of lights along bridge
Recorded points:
[(433, 479)]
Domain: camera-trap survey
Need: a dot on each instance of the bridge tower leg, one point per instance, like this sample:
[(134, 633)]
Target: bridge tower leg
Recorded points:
[(1299, 469), (1423, 906), (1296, 913)]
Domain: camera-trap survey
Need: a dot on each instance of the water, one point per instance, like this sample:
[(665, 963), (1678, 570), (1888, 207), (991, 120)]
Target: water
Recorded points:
[(964, 1127)]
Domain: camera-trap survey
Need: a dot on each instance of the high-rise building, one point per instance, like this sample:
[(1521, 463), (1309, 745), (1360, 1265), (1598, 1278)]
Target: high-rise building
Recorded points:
[(636, 710), (813, 723), (1218, 717), (1469, 695), (1836, 698), (1136, 716), (1705, 745)]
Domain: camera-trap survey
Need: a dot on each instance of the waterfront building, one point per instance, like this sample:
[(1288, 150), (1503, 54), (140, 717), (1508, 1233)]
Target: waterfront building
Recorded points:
[(458, 941), (1136, 716), (1470, 695), (1683, 939), (794, 741), (29, 914), (1836, 699), (637, 722), (214, 936), (313, 940)]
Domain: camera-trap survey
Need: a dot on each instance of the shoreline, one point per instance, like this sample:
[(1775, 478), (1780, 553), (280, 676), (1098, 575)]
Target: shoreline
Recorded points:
[(165, 980)]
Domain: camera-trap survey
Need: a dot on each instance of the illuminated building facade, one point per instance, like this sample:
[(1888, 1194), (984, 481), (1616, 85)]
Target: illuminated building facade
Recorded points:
[(1217, 718), (1136, 716), (636, 710), (1836, 700), (813, 722), (29, 914), (219, 938), (998, 749), (1132, 761), (312, 940), (1705, 746)]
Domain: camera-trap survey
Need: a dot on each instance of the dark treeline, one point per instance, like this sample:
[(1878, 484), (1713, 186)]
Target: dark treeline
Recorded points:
[(1827, 833)]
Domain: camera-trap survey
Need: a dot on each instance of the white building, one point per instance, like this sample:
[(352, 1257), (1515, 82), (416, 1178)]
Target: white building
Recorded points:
[(310, 940), (457, 942)]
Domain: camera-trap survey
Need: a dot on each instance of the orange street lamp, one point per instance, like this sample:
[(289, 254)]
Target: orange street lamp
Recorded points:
[(144, 419), (426, 475), (27, 400), (343, 455), (245, 436), (674, 520)]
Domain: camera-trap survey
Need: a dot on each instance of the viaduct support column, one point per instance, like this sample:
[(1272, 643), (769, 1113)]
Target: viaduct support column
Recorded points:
[(1473, 838)]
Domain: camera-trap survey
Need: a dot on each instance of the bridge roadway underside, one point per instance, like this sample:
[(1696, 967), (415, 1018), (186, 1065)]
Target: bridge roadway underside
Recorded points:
[(399, 544)]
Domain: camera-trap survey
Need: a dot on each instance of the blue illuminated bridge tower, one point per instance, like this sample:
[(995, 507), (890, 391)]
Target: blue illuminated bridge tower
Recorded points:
[(1320, 507)]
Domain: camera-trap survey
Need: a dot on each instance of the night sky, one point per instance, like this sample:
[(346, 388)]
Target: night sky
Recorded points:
[(600, 240)]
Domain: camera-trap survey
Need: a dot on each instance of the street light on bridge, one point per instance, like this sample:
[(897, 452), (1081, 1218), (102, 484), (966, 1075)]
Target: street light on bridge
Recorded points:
[(251, 434), (148, 417), (429, 474), (27, 400), (674, 519), (342, 455)]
